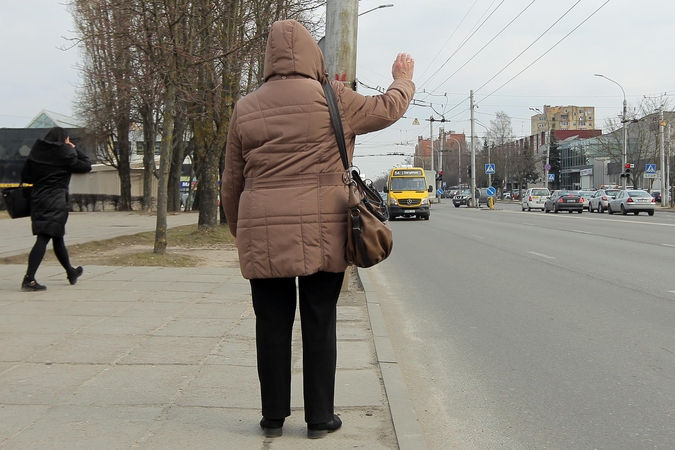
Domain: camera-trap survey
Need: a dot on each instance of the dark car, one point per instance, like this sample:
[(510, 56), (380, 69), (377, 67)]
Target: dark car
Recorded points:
[(464, 197), (569, 201), (657, 196)]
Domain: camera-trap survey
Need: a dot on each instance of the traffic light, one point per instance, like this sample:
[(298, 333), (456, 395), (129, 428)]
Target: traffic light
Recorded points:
[(626, 170), (439, 176)]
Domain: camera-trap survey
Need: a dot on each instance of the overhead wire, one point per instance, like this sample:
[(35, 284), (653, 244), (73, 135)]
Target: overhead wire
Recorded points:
[(448, 40), (467, 39), (547, 51), (530, 46), (488, 43)]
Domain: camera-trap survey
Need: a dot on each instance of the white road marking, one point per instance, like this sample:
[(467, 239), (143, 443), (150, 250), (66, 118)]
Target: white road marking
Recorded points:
[(582, 232), (668, 245), (543, 256)]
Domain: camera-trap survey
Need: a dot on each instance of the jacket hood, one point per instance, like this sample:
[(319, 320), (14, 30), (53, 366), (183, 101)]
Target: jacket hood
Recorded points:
[(50, 152), (291, 50)]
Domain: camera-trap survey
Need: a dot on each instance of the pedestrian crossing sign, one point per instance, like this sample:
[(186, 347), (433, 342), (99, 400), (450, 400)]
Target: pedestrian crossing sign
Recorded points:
[(650, 168)]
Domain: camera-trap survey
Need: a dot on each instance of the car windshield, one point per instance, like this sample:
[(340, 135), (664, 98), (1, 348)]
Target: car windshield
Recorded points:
[(638, 194), (408, 184), (586, 194), (611, 191), (543, 192)]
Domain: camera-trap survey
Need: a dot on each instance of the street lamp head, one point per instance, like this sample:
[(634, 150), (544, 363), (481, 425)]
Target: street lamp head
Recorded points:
[(377, 7)]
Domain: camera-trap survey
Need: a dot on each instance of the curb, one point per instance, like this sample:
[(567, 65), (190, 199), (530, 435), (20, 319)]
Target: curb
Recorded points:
[(407, 427)]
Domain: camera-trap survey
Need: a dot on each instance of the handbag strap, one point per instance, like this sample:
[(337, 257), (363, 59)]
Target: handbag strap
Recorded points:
[(336, 121)]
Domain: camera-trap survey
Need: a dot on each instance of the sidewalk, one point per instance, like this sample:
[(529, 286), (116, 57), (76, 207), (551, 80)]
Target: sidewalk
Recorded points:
[(164, 358)]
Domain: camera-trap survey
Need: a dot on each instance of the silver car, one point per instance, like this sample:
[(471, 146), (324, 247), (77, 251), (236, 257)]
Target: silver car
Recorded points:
[(632, 200), (600, 200)]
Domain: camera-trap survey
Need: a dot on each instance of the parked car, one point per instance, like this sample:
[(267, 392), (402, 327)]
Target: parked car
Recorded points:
[(598, 202), (569, 201), (632, 200), (534, 198)]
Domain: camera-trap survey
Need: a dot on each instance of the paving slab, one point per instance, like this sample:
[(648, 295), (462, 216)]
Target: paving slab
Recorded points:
[(165, 358)]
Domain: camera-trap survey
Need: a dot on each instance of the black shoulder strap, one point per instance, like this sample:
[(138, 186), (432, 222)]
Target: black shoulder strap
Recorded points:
[(337, 122)]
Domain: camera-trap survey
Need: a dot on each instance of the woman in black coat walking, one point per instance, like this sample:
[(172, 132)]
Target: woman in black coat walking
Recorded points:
[(50, 164)]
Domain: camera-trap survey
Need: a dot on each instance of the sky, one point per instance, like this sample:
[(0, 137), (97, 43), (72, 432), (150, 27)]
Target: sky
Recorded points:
[(514, 54)]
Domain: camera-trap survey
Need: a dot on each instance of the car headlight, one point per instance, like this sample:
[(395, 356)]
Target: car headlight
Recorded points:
[(392, 201), (425, 201)]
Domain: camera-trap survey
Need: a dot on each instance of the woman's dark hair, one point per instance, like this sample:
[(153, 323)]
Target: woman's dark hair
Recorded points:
[(56, 134)]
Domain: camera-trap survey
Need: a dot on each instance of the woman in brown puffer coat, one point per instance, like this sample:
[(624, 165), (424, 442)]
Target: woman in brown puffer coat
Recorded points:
[(286, 205)]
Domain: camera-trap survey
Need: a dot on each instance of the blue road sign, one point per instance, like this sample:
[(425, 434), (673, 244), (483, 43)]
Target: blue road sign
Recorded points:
[(439, 192), (489, 169), (551, 177), (491, 191), (650, 168)]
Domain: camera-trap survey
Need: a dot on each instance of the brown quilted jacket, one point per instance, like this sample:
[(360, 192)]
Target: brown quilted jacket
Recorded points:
[(282, 188)]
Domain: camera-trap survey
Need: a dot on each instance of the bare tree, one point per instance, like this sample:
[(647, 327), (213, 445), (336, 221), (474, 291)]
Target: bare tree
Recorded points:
[(642, 130), (105, 97), (500, 136)]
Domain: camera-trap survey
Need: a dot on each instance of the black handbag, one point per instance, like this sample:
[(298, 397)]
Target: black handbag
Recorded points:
[(17, 200), (369, 238)]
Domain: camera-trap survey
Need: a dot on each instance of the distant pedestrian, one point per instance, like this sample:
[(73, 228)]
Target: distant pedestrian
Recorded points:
[(50, 164), (286, 205)]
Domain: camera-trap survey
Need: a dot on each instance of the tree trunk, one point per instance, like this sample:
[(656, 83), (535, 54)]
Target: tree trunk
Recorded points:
[(177, 163), (165, 151), (208, 199), (149, 137), (124, 167)]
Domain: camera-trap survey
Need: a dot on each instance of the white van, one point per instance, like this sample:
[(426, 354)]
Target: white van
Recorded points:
[(534, 198)]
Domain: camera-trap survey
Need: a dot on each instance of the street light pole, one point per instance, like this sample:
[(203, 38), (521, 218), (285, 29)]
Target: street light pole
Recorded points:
[(459, 160), (625, 131), (473, 154)]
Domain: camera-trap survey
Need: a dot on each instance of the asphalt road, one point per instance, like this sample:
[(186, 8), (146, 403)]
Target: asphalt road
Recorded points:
[(525, 330)]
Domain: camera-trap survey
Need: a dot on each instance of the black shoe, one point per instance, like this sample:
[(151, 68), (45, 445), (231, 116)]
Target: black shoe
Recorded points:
[(272, 427), (74, 274), (319, 430), (32, 285)]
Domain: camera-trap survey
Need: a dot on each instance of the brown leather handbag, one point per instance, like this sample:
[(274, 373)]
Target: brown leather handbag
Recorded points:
[(369, 238)]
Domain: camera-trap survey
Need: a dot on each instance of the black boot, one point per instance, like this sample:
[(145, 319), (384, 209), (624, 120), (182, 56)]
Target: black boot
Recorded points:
[(319, 430), (272, 427), (29, 285), (74, 273)]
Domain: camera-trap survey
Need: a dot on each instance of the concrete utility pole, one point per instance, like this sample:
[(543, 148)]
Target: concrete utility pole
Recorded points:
[(473, 153), (668, 193), (547, 140), (340, 44), (662, 148), (431, 140)]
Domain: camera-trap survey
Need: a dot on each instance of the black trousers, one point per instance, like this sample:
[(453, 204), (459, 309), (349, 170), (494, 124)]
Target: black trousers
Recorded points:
[(274, 302)]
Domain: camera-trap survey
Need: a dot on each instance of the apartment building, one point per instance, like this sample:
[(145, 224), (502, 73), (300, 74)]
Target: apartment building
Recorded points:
[(563, 118)]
